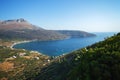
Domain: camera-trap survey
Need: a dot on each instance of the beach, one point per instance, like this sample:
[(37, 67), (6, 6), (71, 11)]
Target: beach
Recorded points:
[(19, 42)]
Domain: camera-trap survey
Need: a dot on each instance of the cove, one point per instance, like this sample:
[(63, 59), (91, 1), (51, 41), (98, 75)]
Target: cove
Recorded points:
[(59, 47)]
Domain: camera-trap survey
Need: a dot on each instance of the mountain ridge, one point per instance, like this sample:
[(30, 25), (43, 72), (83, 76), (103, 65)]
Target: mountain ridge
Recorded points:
[(17, 24), (75, 33), (22, 29)]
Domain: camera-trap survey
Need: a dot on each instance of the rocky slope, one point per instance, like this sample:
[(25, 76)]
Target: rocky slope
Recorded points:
[(21, 29)]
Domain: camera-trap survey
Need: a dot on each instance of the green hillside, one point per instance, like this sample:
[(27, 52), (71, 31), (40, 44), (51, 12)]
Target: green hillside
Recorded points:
[(100, 61)]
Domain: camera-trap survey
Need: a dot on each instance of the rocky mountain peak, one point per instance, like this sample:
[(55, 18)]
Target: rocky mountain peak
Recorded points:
[(13, 20), (21, 20), (16, 24)]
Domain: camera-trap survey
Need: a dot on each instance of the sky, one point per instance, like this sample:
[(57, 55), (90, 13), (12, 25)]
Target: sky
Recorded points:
[(85, 15)]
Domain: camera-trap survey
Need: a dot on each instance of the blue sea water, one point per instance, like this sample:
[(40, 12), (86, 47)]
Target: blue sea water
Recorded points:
[(59, 47)]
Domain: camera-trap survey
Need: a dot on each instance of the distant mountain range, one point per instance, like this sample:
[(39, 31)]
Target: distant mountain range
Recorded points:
[(22, 29), (75, 33)]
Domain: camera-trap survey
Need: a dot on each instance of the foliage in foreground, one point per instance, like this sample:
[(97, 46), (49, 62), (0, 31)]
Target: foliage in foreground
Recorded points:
[(100, 61)]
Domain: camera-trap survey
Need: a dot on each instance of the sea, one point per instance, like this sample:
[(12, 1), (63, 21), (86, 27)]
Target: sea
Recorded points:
[(61, 47)]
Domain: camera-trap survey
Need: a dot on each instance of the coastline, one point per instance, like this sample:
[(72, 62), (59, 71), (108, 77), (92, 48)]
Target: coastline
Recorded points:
[(19, 42), (27, 41)]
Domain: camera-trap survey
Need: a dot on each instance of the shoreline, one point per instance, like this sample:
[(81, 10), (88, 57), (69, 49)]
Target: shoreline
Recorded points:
[(19, 42), (27, 41)]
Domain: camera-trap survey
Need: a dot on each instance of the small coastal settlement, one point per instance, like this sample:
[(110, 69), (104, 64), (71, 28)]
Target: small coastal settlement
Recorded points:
[(15, 63), (20, 64), (100, 61)]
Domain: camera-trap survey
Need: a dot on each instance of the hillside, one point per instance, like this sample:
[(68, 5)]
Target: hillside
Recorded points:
[(20, 29), (75, 34), (19, 64), (23, 30), (17, 24), (100, 61)]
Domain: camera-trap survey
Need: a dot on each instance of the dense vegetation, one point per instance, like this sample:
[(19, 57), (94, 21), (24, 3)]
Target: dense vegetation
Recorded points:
[(101, 61)]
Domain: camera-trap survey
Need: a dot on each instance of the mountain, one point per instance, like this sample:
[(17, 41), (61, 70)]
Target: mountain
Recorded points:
[(21, 29), (16, 24), (100, 61), (75, 33)]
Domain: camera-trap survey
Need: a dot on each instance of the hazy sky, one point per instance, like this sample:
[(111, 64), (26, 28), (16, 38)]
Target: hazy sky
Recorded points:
[(87, 15)]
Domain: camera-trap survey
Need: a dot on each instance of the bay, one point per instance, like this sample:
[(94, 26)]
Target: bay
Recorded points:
[(59, 47)]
